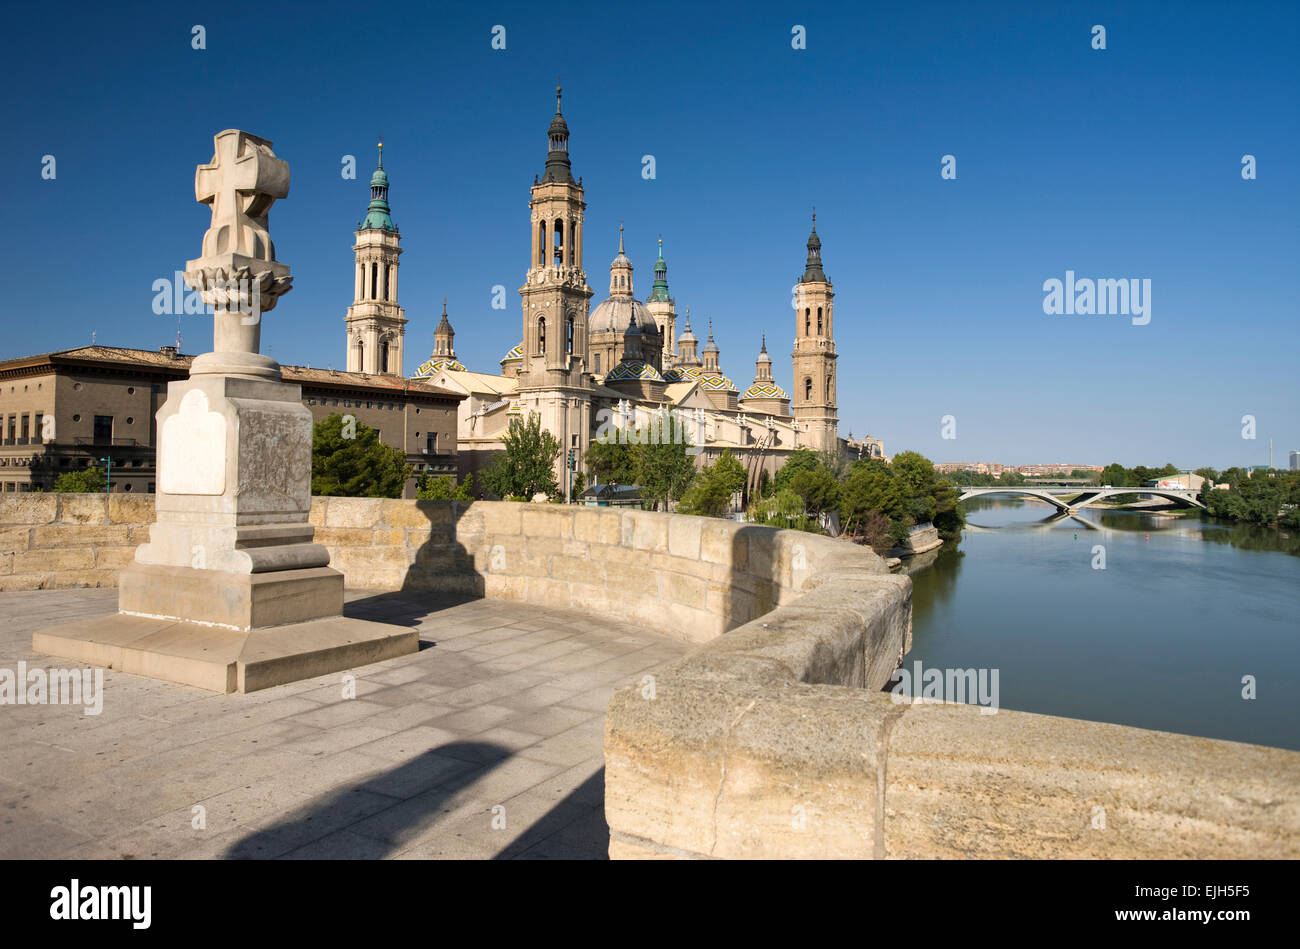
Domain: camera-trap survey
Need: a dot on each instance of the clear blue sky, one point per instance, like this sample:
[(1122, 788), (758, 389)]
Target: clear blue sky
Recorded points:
[(1117, 163)]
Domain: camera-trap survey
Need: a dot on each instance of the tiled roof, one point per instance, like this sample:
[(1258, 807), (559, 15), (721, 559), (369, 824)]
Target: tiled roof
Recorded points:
[(765, 390), (180, 363), (432, 367), (634, 369)]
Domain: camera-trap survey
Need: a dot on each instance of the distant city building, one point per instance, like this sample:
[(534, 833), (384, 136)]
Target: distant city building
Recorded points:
[(67, 410), (1184, 479), (1294, 458)]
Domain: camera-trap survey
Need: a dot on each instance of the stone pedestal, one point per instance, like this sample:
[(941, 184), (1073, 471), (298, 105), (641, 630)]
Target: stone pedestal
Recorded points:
[(232, 545), (230, 593)]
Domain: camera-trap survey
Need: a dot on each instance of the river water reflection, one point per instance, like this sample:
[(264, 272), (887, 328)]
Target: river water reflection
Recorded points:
[(1161, 638)]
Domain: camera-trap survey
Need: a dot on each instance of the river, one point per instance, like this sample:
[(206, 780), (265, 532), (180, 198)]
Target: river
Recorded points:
[(1161, 638)]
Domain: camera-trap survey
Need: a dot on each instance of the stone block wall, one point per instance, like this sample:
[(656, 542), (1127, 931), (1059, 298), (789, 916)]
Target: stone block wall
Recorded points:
[(689, 577), (50, 541)]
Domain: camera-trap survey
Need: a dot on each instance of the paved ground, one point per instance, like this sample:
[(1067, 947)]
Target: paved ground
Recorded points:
[(503, 707)]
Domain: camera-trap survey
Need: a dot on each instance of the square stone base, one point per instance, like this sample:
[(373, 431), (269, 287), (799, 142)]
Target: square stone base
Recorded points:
[(239, 601), (226, 660)]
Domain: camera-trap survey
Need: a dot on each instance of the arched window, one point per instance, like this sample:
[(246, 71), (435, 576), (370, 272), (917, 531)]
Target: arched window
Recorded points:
[(830, 390), (383, 356), (386, 270), (361, 354), (541, 336), (559, 242), (807, 321), (807, 390), (541, 243), (568, 336), (597, 367), (819, 321), (374, 281), (573, 243)]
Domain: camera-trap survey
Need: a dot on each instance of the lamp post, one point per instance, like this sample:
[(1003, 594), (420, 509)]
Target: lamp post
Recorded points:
[(108, 480)]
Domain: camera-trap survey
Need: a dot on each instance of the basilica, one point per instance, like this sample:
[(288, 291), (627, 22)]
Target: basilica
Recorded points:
[(580, 367)]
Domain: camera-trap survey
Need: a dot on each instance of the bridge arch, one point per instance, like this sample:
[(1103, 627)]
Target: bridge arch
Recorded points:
[(1182, 496)]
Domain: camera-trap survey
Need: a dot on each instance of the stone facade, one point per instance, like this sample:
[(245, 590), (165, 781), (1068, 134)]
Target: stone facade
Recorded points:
[(80, 405)]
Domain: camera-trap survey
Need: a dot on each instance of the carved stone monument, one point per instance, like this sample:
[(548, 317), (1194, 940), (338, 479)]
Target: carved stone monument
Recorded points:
[(230, 592)]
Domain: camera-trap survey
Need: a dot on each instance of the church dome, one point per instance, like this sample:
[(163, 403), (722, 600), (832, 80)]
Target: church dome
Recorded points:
[(614, 314), (432, 367), (696, 374), (765, 390), (634, 369)]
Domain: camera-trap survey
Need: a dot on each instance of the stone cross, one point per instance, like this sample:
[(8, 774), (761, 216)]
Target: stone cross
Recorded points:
[(241, 183), (238, 275)]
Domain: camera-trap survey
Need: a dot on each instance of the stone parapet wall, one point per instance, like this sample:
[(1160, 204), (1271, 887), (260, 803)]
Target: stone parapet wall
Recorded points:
[(764, 744), (689, 577), (50, 541)]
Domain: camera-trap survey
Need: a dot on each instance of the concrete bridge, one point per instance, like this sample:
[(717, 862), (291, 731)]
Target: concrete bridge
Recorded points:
[(1071, 499)]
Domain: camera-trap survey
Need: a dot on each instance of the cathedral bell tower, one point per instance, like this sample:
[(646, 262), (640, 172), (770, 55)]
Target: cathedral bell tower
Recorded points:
[(816, 417), (375, 323), (660, 303), (554, 379)]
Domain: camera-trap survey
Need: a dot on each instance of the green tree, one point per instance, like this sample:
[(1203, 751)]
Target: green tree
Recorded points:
[(817, 489), (527, 466), (349, 460), (801, 459), (714, 486), (443, 488), (783, 509), (870, 488), (610, 462), (81, 481), (664, 471), (1209, 474), (1117, 476)]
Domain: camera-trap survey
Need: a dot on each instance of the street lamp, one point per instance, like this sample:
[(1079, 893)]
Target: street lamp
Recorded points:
[(108, 480)]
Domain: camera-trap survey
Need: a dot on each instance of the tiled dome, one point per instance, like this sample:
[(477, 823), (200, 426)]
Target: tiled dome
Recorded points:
[(432, 367), (696, 374), (634, 369), (765, 390)]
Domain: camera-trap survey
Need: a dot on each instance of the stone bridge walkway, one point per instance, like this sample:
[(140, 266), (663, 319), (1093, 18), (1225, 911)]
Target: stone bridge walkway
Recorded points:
[(498, 720)]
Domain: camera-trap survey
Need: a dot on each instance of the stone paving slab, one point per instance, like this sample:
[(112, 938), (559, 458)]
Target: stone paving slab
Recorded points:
[(485, 744)]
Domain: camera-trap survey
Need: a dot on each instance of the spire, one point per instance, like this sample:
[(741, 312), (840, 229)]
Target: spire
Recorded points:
[(660, 290), (762, 353), (557, 159), (813, 272), (687, 336), (620, 271), (378, 215), (444, 324), (710, 346)]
